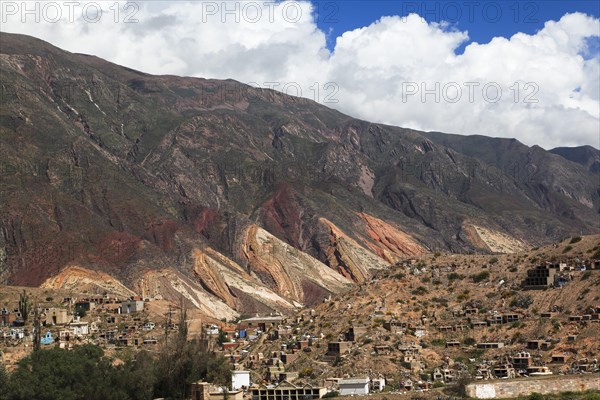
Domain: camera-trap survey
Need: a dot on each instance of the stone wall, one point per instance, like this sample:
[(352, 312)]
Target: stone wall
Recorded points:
[(522, 387)]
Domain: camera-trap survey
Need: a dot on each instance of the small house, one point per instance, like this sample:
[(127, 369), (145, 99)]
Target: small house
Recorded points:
[(47, 339)]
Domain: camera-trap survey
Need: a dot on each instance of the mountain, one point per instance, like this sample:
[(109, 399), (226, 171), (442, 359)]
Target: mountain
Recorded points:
[(242, 199), (587, 156)]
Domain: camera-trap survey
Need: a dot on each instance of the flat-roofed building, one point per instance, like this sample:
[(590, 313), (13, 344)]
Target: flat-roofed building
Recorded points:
[(240, 379), (540, 277), (262, 323), (490, 345), (287, 391), (354, 386)]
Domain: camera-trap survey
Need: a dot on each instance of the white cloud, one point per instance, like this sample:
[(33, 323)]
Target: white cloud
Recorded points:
[(373, 66)]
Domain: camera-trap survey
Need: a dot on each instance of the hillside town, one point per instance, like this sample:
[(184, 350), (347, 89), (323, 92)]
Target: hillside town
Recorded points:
[(395, 333)]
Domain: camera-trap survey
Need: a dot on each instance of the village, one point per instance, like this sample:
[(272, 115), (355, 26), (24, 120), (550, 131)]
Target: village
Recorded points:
[(401, 332)]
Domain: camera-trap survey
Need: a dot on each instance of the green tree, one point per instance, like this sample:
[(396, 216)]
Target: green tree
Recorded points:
[(138, 376), (219, 371), (67, 375), (3, 383)]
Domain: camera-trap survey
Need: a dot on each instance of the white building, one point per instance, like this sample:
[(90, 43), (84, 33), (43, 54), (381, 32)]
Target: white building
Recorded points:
[(79, 328), (212, 330), (354, 386), (240, 379), (131, 306), (17, 333), (378, 384), (148, 326)]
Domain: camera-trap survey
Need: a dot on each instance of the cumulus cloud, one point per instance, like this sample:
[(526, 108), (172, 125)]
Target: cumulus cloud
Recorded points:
[(541, 89)]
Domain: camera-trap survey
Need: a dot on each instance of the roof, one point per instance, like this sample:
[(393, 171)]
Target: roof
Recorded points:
[(353, 381), (262, 319)]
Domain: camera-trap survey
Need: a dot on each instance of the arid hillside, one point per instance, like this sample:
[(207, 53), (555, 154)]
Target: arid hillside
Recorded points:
[(433, 312), (245, 200)]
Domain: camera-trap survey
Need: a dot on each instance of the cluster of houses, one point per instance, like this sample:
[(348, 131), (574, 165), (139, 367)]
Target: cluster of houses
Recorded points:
[(99, 320), (504, 358), (241, 384), (273, 375)]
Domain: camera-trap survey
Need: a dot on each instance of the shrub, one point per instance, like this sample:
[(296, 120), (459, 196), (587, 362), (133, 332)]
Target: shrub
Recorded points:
[(493, 260), (480, 277), (575, 239), (592, 396), (453, 276), (440, 300), (521, 302), (419, 291), (567, 249), (329, 395), (586, 275)]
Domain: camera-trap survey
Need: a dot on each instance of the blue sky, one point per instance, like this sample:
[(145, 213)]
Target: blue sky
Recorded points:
[(483, 20)]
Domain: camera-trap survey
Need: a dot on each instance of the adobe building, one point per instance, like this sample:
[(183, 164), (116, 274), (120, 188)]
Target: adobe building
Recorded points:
[(336, 349), (355, 332), (6, 317), (56, 316)]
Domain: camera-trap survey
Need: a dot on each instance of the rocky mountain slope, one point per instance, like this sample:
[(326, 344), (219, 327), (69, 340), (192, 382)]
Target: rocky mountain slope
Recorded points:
[(585, 155), (244, 199)]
